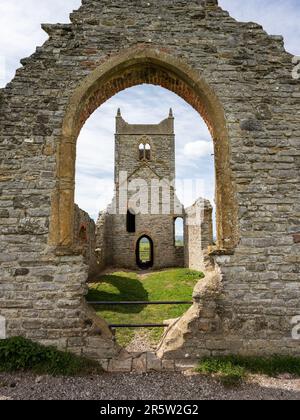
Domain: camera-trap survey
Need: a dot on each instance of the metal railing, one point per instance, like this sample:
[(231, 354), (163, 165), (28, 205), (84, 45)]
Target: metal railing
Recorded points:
[(143, 303)]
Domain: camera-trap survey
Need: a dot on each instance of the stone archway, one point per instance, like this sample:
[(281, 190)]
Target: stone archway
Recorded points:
[(138, 66), (239, 79), (145, 265)]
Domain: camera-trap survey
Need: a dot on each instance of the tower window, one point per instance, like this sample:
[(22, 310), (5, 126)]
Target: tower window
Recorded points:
[(131, 221), (147, 151), (141, 151), (144, 151)]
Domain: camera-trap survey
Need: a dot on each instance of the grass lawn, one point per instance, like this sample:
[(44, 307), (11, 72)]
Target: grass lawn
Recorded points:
[(174, 284)]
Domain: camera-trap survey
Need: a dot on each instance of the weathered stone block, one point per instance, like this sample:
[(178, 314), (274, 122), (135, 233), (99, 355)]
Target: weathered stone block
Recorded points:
[(139, 364), (296, 238), (21, 272), (4, 214), (122, 366), (154, 364)]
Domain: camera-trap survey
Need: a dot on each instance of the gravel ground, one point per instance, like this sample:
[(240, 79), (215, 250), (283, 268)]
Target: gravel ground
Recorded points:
[(141, 343), (167, 386)]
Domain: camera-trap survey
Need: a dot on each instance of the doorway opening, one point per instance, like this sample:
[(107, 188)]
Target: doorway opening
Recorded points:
[(145, 253)]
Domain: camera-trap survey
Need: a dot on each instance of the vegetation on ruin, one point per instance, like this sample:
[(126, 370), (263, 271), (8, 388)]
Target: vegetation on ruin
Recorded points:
[(168, 285), (232, 370), (20, 354)]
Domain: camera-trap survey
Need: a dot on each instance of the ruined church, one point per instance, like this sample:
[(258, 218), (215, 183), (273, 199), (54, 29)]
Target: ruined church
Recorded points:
[(138, 230), (240, 80)]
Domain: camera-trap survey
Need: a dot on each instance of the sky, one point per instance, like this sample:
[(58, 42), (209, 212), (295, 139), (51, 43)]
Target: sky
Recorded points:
[(20, 33)]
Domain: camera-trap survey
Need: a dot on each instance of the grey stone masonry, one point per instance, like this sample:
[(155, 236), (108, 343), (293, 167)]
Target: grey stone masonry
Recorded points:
[(199, 235), (239, 79), (85, 238)]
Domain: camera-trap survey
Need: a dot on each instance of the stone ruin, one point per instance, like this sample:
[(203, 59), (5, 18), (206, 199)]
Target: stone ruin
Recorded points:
[(239, 79), (145, 154)]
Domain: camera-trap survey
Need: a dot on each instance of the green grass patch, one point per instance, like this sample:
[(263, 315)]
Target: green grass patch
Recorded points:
[(20, 354), (145, 252), (170, 285), (232, 370)]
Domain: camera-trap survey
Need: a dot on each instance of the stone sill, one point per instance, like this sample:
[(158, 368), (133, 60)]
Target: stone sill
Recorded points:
[(214, 251), (62, 251)]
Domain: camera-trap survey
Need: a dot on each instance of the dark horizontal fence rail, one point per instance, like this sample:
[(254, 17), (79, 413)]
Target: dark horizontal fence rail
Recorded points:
[(140, 303), (164, 325), (138, 325)]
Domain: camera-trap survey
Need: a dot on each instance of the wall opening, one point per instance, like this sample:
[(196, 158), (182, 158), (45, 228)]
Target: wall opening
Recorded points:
[(119, 73), (136, 69), (145, 151), (145, 253), (179, 232), (102, 143), (131, 221), (141, 151)]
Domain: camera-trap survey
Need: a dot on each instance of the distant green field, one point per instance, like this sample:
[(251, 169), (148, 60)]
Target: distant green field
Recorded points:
[(173, 285), (145, 252)]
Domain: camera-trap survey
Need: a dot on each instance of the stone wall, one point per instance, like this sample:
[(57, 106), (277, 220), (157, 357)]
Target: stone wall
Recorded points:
[(239, 79), (85, 239), (159, 228), (103, 241), (199, 236)]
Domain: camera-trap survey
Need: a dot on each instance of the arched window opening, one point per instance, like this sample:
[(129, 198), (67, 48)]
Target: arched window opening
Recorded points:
[(166, 72), (131, 221), (144, 253), (141, 151), (179, 232), (147, 151), (83, 235)]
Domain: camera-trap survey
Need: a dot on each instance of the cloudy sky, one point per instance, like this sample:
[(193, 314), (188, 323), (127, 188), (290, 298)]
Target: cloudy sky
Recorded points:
[(20, 33)]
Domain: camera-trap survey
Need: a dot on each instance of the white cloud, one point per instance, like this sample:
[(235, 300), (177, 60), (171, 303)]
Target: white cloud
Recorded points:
[(20, 28), (95, 194), (198, 149), (276, 16)]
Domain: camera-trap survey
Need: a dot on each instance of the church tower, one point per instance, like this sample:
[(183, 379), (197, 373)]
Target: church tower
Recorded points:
[(138, 146), (146, 236), (144, 152)]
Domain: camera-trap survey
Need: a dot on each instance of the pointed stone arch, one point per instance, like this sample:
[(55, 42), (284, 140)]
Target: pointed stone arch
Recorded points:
[(131, 68), (145, 265)]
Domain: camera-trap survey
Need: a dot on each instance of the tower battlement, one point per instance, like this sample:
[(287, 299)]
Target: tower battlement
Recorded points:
[(140, 144)]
